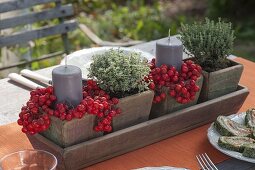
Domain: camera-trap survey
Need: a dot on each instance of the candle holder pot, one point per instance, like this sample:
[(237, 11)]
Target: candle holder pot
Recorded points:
[(210, 43), (68, 133), (122, 74), (221, 82), (135, 109), (170, 105)]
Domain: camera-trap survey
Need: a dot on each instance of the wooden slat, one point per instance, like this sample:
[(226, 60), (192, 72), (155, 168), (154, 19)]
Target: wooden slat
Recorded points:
[(37, 34), (44, 57), (58, 12), (71, 132), (21, 4)]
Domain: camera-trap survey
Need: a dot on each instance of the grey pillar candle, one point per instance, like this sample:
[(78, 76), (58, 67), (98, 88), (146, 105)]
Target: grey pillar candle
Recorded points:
[(67, 84), (169, 52)]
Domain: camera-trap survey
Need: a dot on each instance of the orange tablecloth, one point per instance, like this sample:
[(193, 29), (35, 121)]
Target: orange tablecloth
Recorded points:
[(177, 151)]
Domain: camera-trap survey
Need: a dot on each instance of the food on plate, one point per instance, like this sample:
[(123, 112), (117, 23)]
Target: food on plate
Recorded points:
[(250, 118), (236, 136), (249, 150), (235, 143), (227, 127)]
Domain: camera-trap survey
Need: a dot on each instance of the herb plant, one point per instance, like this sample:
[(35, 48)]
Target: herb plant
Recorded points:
[(209, 43), (120, 73)]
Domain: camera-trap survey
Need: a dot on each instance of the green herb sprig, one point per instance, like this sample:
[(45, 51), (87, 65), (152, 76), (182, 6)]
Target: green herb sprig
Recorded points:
[(120, 72), (208, 42)]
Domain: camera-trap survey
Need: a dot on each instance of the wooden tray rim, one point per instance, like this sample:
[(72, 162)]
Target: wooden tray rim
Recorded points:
[(240, 90)]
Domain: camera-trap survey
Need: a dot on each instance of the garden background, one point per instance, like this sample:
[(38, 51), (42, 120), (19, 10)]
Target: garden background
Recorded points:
[(145, 20)]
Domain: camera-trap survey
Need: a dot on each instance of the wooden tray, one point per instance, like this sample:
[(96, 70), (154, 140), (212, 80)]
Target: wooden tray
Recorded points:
[(138, 136)]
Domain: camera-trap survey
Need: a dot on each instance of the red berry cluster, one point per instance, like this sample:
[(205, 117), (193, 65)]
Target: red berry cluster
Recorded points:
[(180, 84), (97, 102), (35, 116), (32, 117)]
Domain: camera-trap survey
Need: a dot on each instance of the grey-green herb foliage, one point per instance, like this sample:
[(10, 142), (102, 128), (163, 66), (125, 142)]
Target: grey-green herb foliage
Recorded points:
[(209, 43), (120, 72)]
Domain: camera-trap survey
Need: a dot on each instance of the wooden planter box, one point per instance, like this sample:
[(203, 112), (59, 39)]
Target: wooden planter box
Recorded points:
[(170, 105), (140, 135), (67, 133), (135, 109), (220, 82)]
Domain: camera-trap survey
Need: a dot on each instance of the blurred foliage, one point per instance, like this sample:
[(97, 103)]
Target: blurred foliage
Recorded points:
[(241, 13), (131, 22), (111, 21), (137, 19), (96, 7)]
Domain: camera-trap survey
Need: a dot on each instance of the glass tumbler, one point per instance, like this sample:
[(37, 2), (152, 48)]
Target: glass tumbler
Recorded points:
[(29, 160)]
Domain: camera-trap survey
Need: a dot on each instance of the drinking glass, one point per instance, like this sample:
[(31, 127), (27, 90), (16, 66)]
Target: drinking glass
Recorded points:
[(29, 160)]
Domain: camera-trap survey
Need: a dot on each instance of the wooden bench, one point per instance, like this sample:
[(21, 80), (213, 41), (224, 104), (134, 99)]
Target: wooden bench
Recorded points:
[(65, 25), (59, 11)]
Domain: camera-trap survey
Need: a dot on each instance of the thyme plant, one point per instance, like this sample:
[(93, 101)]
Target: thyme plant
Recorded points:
[(120, 73), (209, 43)]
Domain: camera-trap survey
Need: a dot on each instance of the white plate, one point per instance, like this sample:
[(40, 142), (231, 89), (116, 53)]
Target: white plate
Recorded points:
[(83, 58), (213, 137)]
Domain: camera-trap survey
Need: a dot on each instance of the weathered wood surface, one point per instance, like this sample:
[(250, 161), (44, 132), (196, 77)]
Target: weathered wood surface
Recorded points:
[(67, 133), (129, 139), (170, 105), (62, 11), (21, 4), (37, 34), (14, 97), (221, 82), (135, 109), (59, 11)]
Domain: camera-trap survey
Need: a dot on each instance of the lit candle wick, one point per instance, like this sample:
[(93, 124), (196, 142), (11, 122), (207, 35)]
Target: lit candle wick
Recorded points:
[(169, 36)]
